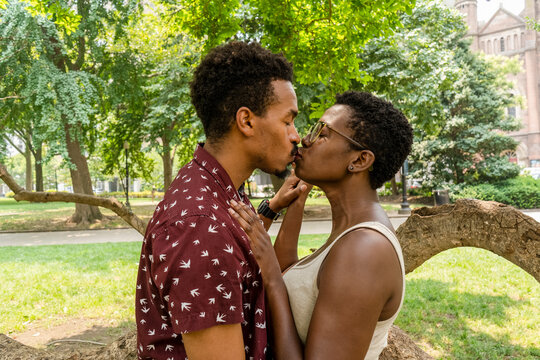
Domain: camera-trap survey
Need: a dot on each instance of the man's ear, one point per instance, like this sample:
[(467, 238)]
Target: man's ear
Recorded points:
[(364, 161), (244, 121)]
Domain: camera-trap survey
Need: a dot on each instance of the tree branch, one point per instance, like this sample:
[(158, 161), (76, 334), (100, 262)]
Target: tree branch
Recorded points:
[(108, 203), (10, 97), (488, 225)]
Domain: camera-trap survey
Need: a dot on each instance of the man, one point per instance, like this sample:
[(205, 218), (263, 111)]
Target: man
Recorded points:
[(199, 293)]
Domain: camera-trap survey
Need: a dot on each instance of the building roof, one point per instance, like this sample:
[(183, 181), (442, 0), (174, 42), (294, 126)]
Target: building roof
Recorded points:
[(492, 26)]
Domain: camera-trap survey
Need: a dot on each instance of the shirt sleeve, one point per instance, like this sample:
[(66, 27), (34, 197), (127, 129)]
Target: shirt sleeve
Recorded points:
[(197, 268)]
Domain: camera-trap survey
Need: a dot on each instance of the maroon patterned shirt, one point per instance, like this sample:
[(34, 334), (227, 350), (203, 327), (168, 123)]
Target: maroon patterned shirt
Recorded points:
[(196, 268)]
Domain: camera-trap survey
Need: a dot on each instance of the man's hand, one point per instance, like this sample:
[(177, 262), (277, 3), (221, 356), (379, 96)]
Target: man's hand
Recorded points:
[(293, 189)]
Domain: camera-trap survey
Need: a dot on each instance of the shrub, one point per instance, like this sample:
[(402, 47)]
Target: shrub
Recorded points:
[(10, 194), (521, 192)]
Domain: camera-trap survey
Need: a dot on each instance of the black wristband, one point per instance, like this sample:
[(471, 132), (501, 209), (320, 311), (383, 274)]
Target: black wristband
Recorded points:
[(264, 210)]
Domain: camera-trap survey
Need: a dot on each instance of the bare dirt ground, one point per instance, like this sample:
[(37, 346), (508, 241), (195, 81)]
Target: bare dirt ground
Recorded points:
[(76, 334)]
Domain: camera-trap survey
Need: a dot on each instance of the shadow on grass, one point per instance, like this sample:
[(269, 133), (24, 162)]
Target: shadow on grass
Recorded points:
[(435, 313)]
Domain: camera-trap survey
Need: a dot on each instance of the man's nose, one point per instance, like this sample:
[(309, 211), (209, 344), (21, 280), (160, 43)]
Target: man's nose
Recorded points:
[(295, 137)]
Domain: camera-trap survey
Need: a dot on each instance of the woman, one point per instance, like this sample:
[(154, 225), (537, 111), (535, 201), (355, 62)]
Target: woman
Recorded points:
[(345, 296)]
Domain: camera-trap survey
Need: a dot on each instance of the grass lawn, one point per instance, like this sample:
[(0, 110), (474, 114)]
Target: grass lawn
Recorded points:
[(462, 304), (24, 216)]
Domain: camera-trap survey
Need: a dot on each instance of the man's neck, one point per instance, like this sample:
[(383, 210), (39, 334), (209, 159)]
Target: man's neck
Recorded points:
[(234, 160)]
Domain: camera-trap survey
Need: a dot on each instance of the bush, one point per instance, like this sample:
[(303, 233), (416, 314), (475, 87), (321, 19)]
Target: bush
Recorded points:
[(521, 192), (10, 194)]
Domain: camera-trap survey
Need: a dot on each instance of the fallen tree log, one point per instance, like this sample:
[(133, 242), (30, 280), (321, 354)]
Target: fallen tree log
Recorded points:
[(488, 225)]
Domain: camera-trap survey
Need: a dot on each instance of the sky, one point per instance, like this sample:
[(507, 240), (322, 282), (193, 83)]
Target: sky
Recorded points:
[(486, 8)]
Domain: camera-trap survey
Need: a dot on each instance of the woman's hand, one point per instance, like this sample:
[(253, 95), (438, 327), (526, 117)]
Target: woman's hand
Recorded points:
[(292, 191), (259, 239)]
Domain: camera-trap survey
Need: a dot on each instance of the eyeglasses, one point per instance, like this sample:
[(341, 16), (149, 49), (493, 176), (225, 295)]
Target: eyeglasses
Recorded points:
[(316, 129)]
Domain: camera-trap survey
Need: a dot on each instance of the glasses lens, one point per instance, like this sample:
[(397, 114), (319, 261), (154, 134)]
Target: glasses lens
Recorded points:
[(315, 131)]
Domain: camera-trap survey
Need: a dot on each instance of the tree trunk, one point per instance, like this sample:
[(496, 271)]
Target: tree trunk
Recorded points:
[(488, 225), (38, 157), (167, 165), (82, 183), (395, 190), (28, 160)]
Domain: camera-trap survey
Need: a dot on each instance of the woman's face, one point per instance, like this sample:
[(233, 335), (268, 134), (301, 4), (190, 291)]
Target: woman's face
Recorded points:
[(327, 158)]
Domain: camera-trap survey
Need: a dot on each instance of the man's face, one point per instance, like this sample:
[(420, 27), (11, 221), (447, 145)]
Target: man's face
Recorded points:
[(277, 135)]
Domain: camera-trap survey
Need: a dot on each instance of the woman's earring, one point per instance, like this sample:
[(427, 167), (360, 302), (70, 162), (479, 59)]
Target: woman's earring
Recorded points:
[(351, 168)]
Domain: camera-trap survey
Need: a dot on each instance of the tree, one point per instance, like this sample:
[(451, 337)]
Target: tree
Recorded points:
[(51, 53), (471, 145), (321, 38)]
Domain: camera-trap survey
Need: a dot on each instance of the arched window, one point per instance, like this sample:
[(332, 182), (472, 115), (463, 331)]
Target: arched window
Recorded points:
[(522, 40), (489, 47), (483, 46), (508, 43), (495, 46), (502, 44), (516, 42)]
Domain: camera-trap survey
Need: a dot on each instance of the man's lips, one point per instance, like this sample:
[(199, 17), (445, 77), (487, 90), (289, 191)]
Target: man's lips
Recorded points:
[(298, 155)]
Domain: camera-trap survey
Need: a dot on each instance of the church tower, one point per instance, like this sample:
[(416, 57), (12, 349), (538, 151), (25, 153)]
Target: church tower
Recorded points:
[(469, 9)]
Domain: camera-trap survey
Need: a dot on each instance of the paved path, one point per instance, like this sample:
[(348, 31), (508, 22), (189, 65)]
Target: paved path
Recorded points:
[(125, 235)]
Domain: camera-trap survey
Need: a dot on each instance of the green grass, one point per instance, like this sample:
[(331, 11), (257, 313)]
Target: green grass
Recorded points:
[(462, 304)]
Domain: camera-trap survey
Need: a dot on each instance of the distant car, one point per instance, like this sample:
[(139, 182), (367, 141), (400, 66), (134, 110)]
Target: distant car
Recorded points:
[(532, 171)]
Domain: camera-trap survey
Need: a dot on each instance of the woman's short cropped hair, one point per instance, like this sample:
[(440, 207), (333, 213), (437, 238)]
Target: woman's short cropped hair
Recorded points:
[(381, 128), (234, 75)]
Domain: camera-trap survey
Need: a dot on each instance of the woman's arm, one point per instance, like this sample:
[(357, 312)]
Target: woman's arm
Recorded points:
[(286, 244)]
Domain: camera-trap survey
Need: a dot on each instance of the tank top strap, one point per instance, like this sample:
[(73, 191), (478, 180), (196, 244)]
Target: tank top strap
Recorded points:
[(377, 226)]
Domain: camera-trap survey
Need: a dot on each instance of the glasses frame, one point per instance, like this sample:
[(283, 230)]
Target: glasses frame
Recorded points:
[(313, 137)]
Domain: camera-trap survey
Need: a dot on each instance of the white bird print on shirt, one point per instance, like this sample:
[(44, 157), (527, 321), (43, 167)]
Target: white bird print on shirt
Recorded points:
[(175, 281), (220, 288), (220, 317), (212, 301), (229, 188), (258, 311), (212, 229), (145, 310), (202, 314), (184, 212), (214, 171), (169, 348), (178, 222), (196, 242), (185, 265), (215, 207), (227, 295), (200, 207), (203, 190), (207, 276), (228, 249), (193, 225), (175, 190), (199, 198), (143, 301), (175, 244), (143, 321), (195, 292), (166, 297), (213, 217), (204, 253), (232, 308), (215, 261), (162, 257), (186, 306), (172, 205), (204, 177), (223, 273), (152, 332), (150, 347), (187, 180), (215, 194), (188, 197), (164, 326)]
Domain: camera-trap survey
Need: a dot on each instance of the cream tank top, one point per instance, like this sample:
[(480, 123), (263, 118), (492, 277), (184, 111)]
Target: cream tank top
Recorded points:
[(301, 283)]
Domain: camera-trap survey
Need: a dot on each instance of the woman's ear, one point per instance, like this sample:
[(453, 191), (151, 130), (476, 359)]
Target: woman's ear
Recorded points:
[(364, 161), (244, 121)]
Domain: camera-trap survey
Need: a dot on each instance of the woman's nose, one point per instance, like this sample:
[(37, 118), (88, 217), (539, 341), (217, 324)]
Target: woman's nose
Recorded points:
[(305, 141)]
